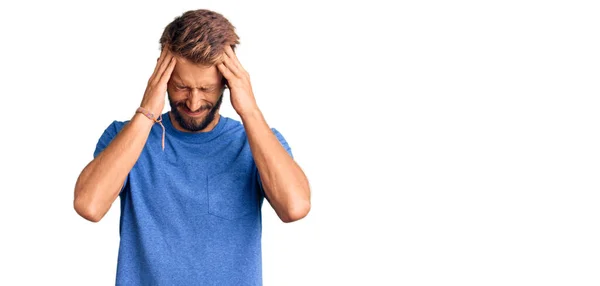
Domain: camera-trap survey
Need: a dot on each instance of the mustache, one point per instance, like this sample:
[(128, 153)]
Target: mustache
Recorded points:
[(181, 104)]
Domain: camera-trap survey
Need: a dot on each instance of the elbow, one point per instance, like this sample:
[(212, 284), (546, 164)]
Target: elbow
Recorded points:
[(86, 209), (297, 211)]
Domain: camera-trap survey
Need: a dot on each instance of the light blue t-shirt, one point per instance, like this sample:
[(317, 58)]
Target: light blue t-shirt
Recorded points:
[(191, 214)]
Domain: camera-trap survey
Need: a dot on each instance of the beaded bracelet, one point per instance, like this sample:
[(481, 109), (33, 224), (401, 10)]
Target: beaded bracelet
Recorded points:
[(151, 116)]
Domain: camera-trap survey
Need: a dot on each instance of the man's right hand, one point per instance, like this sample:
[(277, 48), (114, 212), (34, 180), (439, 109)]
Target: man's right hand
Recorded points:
[(101, 181), (154, 97)]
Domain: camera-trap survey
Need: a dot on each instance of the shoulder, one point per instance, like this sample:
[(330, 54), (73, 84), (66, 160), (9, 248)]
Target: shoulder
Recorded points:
[(118, 125), (108, 135), (234, 126), (113, 128)]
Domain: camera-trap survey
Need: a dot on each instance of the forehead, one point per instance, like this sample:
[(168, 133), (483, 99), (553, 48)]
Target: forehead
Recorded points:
[(195, 75)]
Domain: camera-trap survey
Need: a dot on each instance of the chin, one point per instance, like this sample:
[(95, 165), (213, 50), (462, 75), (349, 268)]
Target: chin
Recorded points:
[(196, 120), (193, 123)]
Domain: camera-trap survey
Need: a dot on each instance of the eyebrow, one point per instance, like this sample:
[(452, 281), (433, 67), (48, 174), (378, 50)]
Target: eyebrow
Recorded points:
[(208, 86), (205, 87)]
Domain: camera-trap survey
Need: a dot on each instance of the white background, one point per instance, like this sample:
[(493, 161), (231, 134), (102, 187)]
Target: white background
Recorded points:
[(446, 142)]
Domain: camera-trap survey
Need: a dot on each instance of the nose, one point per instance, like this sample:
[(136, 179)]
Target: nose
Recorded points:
[(194, 101)]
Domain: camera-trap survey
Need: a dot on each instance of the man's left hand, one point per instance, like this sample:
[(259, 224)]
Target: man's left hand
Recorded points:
[(242, 97)]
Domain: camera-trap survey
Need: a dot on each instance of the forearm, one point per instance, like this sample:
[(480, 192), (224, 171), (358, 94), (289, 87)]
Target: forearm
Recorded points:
[(284, 182), (101, 180)]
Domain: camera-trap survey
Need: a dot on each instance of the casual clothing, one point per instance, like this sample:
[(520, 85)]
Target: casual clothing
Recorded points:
[(191, 214)]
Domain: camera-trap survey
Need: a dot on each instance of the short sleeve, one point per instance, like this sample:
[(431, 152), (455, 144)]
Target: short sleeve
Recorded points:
[(107, 136), (283, 142), (287, 148)]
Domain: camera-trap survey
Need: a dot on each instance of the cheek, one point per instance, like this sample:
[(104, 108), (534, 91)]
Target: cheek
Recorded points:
[(175, 95)]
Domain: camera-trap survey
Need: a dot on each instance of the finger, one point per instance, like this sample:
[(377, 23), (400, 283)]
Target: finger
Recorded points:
[(226, 72), (234, 59), (166, 75), (231, 66), (165, 63), (158, 62)]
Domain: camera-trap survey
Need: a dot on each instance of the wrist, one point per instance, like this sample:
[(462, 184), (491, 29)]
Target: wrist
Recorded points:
[(141, 120), (153, 110), (150, 119), (250, 113), (251, 116)]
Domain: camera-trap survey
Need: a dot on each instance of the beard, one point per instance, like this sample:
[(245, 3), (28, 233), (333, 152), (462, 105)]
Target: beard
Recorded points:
[(194, 124)]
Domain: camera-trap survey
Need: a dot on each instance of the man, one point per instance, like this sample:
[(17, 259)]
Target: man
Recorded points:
[(192, 181)]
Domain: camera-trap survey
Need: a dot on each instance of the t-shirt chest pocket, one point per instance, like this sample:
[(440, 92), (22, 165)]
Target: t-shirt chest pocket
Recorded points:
[(232, 195)]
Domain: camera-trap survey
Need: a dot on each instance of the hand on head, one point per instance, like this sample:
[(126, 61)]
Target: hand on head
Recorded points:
[(154, 97)]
